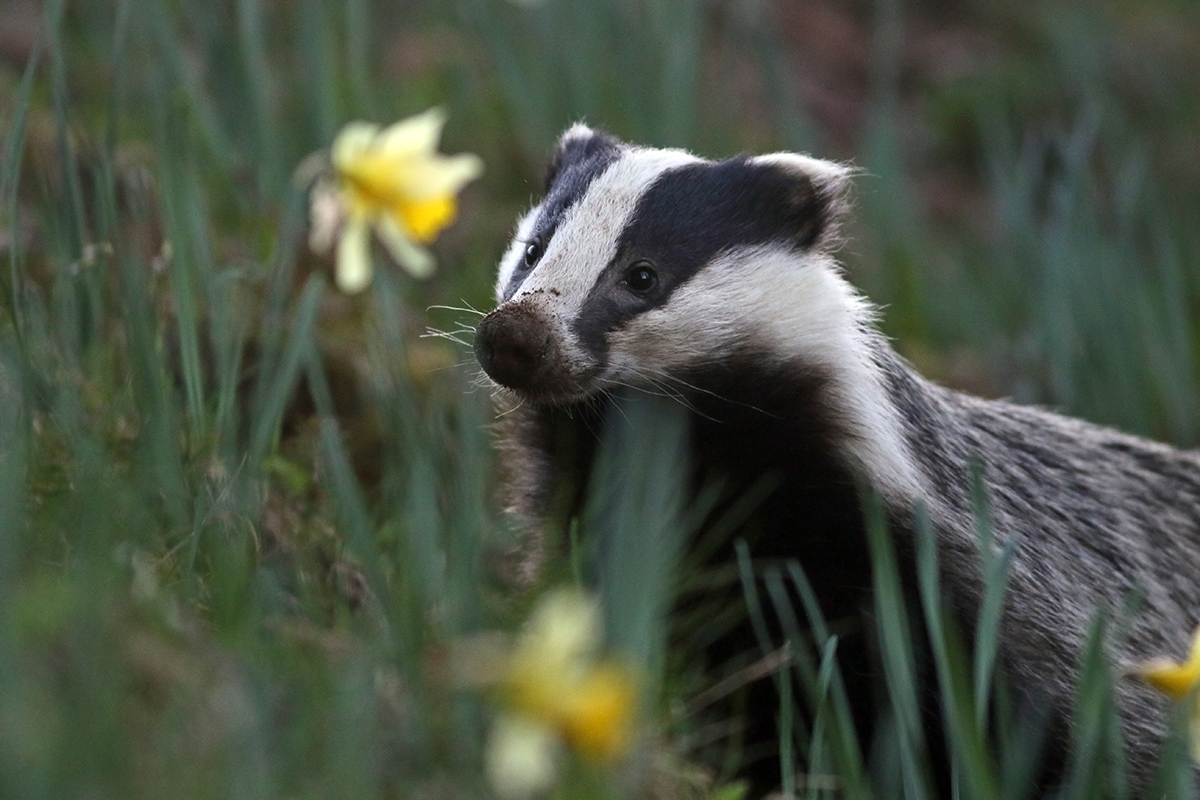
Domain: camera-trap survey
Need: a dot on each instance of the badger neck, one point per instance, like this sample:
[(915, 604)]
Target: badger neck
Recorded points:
[(774, 340), (805, 389), (822, 428)]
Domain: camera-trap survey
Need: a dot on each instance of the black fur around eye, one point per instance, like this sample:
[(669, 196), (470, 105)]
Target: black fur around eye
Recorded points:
[(533, 252), (641, 278)]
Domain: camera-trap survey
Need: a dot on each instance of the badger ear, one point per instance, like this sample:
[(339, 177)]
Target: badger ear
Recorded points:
[(576, 146), (822, 190)]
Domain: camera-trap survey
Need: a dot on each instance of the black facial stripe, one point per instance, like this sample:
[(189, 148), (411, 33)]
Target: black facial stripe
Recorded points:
[(577, 163), (687, 217)]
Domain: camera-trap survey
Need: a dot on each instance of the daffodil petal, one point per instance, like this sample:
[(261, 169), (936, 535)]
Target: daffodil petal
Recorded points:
[(521, 757), (598, 721), (1165, 676), (553, 654), (565, 628), (352, 141), (414, 135), (326, 214), (1172, 679), (416, 260), (354, 256), (440, 175), (425, 219)]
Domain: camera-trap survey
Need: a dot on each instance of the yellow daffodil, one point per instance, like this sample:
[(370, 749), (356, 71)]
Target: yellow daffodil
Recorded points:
[(556, 693), (391, 181), (1178, 681)]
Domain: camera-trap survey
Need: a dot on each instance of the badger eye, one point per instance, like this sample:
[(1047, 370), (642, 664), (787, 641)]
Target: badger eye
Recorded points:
[(533, 251), (641, 278)]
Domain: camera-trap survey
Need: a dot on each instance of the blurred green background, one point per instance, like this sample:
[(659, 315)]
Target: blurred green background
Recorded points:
[(241, 515)]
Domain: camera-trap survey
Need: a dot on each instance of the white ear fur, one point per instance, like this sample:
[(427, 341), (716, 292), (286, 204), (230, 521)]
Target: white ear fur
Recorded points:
[(576, 131), (828, 175)]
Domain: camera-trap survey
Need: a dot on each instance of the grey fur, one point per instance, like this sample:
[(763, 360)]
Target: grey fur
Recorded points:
[(1099, 514)]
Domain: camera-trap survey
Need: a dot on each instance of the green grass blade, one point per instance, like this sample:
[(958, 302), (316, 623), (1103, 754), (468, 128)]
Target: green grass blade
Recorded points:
[(895, 638), (359, 57), (10, 180), (257, 75), (995, 568), (635, 512), (277, 387), (972, 759), (1097, 756), (318, 54), (14, 455), (825, 691)]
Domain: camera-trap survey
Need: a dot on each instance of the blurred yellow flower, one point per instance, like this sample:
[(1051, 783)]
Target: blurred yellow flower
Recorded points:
[(391, 181), (555, 692), (1178, 681)]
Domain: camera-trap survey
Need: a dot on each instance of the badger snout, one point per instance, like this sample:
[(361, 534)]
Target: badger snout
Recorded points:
[(521, 350), (514, 347)]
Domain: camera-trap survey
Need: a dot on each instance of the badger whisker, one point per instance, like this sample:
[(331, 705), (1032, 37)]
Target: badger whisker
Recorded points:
[(665, 379), (520, 404), (450, 336), (665, 390), (466, 308)]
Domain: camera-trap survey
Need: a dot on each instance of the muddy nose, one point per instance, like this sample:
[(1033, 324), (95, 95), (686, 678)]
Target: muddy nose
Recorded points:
[(512, 346)]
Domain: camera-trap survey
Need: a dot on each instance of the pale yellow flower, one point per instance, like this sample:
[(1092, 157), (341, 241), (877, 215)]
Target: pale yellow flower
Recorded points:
[(391, 181), (522, 756), (557, 693), (1178, 681)]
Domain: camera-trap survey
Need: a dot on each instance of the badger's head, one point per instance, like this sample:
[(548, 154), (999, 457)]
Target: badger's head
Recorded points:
[(658, 270), (640, 264)]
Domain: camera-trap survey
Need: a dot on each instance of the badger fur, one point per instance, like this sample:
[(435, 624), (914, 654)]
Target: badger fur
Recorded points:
[(715, 282)]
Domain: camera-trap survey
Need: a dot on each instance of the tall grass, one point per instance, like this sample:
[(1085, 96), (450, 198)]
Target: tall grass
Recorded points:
[(187, 609), (242, 518)]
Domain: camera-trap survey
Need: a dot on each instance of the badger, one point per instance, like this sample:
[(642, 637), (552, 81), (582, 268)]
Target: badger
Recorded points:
[(716, 282)]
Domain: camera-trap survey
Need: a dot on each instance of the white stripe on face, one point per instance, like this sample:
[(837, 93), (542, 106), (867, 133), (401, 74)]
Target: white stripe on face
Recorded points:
[(586, 239), (516, 251)]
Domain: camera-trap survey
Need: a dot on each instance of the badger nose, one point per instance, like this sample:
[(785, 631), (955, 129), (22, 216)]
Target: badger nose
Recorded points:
[(511, 345)]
